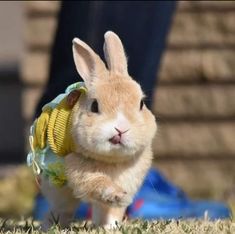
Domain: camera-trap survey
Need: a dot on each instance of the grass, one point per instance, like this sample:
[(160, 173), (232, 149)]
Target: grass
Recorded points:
[(128, 227)]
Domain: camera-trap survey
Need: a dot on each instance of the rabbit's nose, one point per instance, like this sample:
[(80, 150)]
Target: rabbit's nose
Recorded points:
[(115, 139), (120, 132)]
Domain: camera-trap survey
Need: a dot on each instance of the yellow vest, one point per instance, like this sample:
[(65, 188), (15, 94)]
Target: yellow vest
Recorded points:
[(51, 138), (53, 126)]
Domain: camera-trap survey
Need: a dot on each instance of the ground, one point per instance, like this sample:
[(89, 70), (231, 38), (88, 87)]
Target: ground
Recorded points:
[(135, 227)]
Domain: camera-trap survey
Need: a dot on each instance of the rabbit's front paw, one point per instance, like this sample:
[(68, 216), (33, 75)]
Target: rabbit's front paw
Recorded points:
[(115, 196)]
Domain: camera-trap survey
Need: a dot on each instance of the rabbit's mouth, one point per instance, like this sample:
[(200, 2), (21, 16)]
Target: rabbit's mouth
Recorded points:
[(109, 152), (117, 145), (118, 137)]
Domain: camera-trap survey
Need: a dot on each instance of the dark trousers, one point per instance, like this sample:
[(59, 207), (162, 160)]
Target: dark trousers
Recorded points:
[(141, 25)]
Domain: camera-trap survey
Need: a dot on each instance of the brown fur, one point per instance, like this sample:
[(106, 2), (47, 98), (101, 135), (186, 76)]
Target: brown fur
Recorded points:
[(106, 175)]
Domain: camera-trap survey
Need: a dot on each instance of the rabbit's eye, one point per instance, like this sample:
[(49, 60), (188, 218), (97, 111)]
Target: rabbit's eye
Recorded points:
[(95, 107), (141, 104)]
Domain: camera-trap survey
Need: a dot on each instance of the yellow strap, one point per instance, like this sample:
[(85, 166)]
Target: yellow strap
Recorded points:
[(40, 134)]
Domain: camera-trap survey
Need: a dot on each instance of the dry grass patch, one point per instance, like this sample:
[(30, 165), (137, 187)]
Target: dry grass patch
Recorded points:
[(135, 227)]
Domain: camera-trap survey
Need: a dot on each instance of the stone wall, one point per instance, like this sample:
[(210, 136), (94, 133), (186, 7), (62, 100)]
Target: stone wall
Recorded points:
[(195, 98), (11, 122)]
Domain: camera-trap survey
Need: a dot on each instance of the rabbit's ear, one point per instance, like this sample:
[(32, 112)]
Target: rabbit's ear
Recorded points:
[(114, 53), (89, 65)]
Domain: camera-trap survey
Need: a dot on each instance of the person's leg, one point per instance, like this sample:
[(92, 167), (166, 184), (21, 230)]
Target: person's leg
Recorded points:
[(62, 205), (72, 22), (142, 26)]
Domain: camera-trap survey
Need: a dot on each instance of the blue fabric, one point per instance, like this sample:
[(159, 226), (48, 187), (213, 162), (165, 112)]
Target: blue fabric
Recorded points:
[(156, 199), (159, 199)]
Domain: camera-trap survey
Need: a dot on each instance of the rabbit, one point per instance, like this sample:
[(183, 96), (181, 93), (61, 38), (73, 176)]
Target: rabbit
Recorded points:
[(113, 132)]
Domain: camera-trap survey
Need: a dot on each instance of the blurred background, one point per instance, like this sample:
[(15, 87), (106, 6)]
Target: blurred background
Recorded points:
[(194, 101)]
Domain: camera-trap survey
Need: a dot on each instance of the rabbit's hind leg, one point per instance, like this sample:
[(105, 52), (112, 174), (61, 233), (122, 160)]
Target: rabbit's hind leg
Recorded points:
[(62, 205)]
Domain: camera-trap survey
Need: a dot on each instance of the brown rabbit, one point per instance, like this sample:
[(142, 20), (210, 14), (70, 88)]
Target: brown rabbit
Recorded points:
[(113, 132)]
